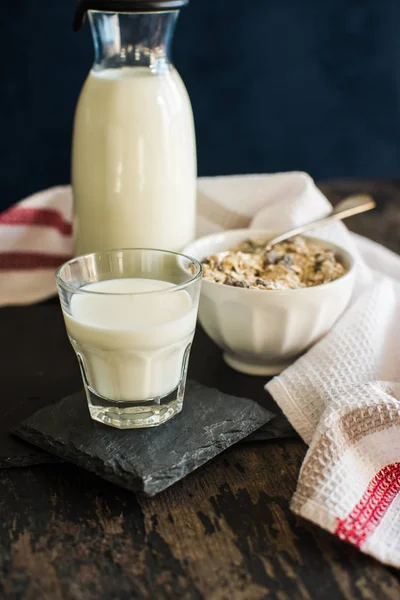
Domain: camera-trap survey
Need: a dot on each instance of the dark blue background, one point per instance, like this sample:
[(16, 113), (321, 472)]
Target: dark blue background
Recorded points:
[(275, 85)]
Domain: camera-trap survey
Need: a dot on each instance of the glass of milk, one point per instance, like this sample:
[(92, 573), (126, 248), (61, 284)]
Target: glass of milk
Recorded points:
[(130, 317)]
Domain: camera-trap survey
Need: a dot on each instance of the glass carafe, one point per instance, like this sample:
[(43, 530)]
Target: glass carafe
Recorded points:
[(134, 152)]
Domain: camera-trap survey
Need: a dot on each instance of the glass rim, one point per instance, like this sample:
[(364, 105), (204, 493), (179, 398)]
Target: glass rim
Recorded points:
[(172, 288)]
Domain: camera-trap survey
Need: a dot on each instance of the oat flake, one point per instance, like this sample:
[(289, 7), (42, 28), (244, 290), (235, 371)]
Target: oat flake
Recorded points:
[(295, 263)]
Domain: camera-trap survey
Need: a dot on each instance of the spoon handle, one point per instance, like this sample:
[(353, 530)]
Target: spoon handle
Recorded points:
[(352, 205)]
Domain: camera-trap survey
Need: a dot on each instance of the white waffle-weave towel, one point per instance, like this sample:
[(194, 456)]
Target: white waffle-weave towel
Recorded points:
[(342, 396)]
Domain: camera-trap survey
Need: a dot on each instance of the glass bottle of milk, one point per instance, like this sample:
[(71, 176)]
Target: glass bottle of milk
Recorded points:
[(134, 151)]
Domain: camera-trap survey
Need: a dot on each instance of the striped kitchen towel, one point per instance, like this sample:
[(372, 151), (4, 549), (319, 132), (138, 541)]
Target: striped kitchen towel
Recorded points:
[(35, 239), (342, 396)]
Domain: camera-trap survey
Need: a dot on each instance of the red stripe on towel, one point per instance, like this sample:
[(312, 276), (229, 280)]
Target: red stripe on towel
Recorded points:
[(373, 505), (44, 217), (10, 261)]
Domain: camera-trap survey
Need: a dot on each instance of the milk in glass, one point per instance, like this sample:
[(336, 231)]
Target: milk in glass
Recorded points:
[(131, 340)]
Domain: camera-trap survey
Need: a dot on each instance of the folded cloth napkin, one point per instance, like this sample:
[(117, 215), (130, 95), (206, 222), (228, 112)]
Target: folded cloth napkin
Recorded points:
[(342, 396)]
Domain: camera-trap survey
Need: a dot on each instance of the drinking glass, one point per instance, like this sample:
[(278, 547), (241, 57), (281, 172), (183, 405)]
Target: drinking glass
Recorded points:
[(130, 316)]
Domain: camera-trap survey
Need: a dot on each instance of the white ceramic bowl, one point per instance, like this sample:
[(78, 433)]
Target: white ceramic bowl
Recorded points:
[(262, 331)]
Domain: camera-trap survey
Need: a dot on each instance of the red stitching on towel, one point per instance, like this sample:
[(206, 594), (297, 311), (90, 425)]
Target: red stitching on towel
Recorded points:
[(44, 217), (10, 261), (368, 513)]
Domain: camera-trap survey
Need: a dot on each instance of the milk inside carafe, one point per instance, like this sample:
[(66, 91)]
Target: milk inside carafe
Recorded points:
[(134, 151)]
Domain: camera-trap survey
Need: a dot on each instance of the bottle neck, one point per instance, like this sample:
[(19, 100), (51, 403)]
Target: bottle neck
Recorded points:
[(132, 39)]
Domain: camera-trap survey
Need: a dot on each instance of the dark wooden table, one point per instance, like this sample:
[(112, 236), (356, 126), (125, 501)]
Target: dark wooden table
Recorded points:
[(224, 532)]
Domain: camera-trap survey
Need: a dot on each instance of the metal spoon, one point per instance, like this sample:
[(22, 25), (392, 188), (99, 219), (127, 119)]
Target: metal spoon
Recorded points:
[(353, 205)]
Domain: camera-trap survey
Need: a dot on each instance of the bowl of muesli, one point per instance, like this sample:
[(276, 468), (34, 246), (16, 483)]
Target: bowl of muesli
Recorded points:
[(264, 307)]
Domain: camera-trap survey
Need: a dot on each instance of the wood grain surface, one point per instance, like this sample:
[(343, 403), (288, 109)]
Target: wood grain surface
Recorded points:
[(225, 532)]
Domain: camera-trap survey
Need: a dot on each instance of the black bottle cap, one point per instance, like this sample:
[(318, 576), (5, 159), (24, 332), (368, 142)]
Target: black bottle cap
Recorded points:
[(123, 6)]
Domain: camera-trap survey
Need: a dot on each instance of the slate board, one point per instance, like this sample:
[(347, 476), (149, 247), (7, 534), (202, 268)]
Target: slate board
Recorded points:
[(278, 428), (15, 452), (37, 376), (146, 460)]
